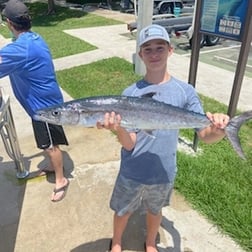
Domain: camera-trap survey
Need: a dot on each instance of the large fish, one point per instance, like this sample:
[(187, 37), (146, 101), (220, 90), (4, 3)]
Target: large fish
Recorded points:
[(136, 113)]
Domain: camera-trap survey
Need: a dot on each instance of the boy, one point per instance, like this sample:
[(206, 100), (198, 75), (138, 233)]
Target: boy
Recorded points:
[(148, 164)]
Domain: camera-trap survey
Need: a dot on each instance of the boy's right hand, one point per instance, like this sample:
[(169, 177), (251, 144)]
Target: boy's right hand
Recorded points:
[(111, 121)]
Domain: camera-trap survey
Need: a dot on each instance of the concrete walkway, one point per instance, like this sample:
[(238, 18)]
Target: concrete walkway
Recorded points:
[(82, 222)]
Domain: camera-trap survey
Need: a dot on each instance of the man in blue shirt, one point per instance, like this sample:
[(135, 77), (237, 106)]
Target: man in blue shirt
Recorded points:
[(28, 63), (148, 163)]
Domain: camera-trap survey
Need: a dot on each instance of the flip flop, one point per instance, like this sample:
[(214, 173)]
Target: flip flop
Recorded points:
[(145, 248), (61, 189), (110, 245)]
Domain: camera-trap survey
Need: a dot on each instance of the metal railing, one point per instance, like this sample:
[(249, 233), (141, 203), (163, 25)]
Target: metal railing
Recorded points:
[(9, 136)]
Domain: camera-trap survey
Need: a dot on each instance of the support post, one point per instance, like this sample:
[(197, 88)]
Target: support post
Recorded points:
[(242, 62), (144, 18), (195, 55)]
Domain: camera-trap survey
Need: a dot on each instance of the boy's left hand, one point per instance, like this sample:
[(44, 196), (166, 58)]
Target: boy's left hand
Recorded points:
[(219, 120)]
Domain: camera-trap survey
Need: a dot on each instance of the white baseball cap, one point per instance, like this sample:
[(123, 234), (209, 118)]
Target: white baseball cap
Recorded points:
[(151, 32)]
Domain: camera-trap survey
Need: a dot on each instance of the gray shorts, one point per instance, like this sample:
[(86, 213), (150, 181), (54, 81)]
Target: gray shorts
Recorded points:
[(129, 195)]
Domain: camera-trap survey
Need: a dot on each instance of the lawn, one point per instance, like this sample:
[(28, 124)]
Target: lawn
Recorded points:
[(216, 182), (52, 27)]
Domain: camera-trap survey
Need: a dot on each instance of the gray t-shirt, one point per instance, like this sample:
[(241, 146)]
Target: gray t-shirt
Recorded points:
[(153, 160)]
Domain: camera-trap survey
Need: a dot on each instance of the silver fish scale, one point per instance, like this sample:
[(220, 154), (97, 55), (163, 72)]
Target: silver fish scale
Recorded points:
[(144, 113)]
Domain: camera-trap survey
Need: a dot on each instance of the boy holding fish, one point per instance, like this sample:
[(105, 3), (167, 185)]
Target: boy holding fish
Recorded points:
[(148, 161)]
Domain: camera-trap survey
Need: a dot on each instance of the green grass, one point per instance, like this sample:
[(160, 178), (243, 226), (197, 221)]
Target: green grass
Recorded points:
[(216, 182), (108, 76), (52, 27)]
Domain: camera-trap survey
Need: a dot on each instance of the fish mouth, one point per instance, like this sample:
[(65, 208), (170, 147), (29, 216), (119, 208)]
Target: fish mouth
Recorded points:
[(39, 116)]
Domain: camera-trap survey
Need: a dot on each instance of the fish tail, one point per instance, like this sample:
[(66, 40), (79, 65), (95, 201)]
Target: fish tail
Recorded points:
[(232, 131)]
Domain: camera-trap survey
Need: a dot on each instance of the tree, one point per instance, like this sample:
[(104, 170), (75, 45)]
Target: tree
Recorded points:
[(51, 7)]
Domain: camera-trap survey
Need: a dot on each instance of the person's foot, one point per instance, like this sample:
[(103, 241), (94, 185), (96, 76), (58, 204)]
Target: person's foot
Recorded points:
[(60, 192), (45, 171), (41, 172), (115, 248), (150, 248)]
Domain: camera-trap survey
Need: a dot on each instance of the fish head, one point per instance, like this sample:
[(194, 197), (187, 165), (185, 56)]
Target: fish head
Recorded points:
[(59, 115)]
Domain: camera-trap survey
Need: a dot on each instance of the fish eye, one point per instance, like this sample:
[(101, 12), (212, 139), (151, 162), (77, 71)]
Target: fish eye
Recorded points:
[(55, 113)]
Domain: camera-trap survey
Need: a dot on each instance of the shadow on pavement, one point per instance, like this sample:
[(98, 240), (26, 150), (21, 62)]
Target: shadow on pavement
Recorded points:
[(134, 237), (12, 193), (169, 227), (67, 161)]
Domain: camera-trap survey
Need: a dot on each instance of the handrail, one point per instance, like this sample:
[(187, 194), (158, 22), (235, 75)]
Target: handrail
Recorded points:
[(9, 136)]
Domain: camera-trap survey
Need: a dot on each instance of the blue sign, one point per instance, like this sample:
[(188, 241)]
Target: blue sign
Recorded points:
[(224, 18)]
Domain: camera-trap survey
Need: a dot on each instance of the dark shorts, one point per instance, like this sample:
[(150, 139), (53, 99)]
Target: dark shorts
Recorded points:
[(48, 135)]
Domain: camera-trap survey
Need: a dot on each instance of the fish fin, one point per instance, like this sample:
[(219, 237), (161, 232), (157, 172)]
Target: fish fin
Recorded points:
[(149, 133), (232, 131), (150, 95)]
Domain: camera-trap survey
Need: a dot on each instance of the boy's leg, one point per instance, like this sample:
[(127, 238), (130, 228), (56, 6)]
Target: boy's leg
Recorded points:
[(156, 197), (125, 199), (152, 224), (120, 223), (48, 137), (56, 160)]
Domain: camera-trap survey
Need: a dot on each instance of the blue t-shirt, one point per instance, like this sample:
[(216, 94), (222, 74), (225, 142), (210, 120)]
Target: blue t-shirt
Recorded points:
[(29, 64), (153, 159)]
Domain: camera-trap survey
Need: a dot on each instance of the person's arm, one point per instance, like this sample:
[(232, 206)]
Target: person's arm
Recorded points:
[(112, 122), (215, 132)]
